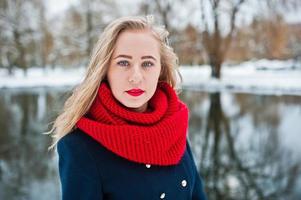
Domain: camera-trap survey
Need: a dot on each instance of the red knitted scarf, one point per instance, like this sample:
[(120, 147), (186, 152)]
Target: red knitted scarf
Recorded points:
[(155, 137)]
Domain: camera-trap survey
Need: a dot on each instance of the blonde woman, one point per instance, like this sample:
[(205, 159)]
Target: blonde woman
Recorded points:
[(123, 133)]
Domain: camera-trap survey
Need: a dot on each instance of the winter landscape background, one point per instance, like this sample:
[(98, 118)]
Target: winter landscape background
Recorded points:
[(241, 82)]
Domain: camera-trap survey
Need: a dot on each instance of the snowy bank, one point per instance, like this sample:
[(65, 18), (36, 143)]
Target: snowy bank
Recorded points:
[(262, 76), (37, 77)]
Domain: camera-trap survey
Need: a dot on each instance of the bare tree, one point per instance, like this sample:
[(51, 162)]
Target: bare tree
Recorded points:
[(18, 23), (278, 9), (45, 45), (96, 14), (13, 48), (164, 8), (174, 15), (215, 44), (177, 18)]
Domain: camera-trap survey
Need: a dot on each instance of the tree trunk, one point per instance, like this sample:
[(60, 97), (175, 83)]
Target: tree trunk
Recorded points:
[(215, 68), (10, 70), (21, 52)]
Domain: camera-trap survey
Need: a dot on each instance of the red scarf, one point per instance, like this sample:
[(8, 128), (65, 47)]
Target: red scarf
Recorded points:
[(156, 137)]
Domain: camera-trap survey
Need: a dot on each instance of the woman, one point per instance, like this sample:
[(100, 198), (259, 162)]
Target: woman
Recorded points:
[(123, 132)]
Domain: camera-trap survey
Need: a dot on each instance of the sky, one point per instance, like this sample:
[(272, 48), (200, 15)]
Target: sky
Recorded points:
[(55, 7)]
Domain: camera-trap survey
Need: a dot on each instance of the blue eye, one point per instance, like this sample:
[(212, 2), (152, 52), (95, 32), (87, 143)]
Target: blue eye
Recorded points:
[(123, 63), (147, 64)]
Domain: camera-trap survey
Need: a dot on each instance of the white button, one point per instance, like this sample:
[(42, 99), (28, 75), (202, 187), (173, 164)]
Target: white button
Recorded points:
[(184, 183), (162, 196), (148, 165)]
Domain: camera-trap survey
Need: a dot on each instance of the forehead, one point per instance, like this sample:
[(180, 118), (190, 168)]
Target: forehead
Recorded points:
[(137, 42)]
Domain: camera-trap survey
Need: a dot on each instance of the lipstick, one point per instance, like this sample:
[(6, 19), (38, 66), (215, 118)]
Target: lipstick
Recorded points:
[(135, 92)]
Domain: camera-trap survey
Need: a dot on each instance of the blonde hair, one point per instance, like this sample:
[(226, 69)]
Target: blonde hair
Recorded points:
[(84, 94)]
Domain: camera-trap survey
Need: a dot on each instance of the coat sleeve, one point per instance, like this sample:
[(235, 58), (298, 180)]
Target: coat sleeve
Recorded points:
[(79, 175), (198, 188)]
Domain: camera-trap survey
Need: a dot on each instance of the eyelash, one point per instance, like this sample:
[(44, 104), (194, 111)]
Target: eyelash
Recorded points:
[(122, 63), (148, 62)]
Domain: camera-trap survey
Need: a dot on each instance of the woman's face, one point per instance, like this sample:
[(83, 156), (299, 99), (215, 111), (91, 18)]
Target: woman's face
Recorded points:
[(134, 68)]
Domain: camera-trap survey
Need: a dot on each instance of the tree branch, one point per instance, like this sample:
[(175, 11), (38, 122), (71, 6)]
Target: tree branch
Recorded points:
[(229, 37)]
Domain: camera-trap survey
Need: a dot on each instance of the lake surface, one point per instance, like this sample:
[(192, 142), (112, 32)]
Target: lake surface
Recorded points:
[(246, 146)]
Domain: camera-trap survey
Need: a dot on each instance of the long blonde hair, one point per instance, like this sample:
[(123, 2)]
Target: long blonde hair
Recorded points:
[(84, 94)]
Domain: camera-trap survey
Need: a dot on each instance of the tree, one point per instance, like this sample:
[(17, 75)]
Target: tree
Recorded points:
[(45, 40), (19, 33), (183, 34), (13, 34), (189, 47), (215, 44), (162, 9), (80, 28), (285, 39)]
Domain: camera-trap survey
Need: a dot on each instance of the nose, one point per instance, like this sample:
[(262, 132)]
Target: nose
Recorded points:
[(136, 75)]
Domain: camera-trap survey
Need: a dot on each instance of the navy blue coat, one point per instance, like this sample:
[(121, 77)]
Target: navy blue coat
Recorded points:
[(89, 171)]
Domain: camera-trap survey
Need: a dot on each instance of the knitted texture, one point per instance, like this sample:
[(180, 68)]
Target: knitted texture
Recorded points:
[(157, 136)]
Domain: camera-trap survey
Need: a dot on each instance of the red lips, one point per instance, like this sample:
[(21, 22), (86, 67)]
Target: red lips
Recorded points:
[(135, 92)]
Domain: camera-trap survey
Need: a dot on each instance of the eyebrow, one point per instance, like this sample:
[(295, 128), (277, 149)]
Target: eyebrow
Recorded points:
[(123, 56), (150, 57), (130, 57)]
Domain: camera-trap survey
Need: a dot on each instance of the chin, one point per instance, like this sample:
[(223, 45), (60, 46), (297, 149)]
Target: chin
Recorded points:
[(134, 106)]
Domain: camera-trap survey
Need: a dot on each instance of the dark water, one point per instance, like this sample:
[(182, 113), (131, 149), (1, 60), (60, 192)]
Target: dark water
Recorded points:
[(246, 146)]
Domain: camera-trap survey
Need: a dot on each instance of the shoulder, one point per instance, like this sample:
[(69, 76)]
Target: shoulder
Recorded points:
[(75, 154), (74, 137), (79, 175), (75, 140), (75, 145)]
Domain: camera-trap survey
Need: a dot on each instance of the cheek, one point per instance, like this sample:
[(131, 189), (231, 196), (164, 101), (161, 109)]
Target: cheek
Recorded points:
[(114, 78), (113, 82), (153, 81)]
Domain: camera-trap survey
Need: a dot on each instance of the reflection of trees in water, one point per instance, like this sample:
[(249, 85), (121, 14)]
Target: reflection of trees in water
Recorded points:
[(235, 165), (24, 159)]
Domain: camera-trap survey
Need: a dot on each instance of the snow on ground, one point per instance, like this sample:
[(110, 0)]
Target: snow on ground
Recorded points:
[(261, 76), (37, 77)]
